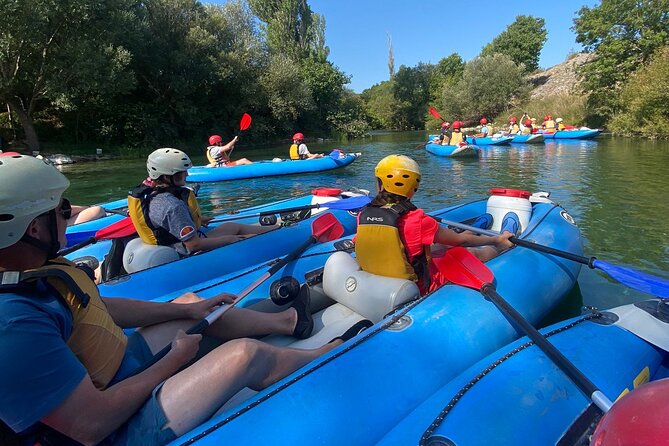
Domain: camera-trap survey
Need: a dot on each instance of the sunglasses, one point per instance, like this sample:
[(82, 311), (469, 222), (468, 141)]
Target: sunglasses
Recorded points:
[(66, 209)]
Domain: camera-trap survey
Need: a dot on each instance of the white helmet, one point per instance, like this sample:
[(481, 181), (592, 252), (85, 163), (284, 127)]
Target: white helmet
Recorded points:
[(167, 161), (558, 120), (28, 188)]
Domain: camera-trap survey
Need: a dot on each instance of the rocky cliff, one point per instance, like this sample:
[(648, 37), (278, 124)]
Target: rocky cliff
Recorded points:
[(558, 79)]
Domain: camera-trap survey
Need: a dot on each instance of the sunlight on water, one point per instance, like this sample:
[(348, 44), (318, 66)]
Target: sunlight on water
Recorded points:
[(616, 189)]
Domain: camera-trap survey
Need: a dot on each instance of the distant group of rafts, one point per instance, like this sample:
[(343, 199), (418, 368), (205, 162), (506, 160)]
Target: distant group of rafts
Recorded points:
[(452, 141)]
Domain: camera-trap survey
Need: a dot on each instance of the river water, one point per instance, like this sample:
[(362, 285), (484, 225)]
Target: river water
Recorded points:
[(615, 188)]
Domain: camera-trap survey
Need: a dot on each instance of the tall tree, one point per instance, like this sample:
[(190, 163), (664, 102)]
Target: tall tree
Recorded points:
[(391, 58), (522, 41), (53, 52), (411, 89), (623, 34)]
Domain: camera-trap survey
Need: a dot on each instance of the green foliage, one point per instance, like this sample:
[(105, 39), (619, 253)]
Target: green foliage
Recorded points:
[(411, 90), (489, 85), (350, 119), (623, 34), (522, 41), (379, 105), (644, 100), (446, 73)]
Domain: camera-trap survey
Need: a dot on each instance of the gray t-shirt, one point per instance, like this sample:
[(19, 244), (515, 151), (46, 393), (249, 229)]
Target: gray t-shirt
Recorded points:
[(170, 213)]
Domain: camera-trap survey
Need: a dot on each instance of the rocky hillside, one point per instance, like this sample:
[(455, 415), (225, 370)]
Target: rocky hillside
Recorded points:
[(558, 79)]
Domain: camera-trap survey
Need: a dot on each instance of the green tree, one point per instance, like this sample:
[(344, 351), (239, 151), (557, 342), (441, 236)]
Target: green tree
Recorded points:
[(623, 34), (379, 105), (447, 72), (644, 99), (411, 89), (489, 85), (55, 53), (522, 41)]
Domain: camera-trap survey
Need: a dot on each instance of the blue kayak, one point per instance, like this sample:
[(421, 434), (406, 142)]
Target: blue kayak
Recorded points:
[(410, 352), (183, 273), (489, 140), (269, 168), (572, 134), (522, 397), (534, 138), (455, 151)]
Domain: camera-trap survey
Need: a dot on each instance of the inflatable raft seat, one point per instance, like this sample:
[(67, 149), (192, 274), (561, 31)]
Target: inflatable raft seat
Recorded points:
[(139, 255)]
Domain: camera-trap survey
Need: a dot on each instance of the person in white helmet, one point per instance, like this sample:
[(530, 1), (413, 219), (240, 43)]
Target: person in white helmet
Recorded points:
[(66, 364), (167, 213)]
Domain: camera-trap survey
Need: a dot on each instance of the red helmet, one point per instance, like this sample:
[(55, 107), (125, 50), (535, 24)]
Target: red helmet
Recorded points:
[(483, 121), (528, 122), (445, 124), (513, 119), (457, 124), (215, 139), (298, 137), (550, 117)]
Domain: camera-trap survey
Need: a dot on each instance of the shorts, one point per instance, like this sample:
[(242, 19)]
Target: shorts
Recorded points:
[(230, 163), (147, 425)]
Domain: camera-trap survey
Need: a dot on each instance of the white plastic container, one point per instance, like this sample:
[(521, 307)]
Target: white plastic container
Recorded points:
[(504, 200)]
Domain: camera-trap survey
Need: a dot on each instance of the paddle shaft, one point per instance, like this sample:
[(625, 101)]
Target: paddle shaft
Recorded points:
[(220, 311), (569, 369), (265, 213), (525, 243)]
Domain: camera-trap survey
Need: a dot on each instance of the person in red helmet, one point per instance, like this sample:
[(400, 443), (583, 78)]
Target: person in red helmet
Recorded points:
[(299, 150), (457, 137), (514, 128), (527, 129), (486, 129), (444, 136), (218, 153)]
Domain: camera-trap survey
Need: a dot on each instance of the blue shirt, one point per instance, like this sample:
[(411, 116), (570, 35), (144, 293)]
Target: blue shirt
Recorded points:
[(37, 369)]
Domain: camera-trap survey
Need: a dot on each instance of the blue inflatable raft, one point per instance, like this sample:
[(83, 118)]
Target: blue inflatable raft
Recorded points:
[(335, 160), (489, 140), (82, 231), (572, 134), (361, 390), (454, 151), (519, 396), (534, 138)]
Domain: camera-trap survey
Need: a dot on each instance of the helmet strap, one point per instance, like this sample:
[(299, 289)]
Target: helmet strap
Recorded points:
[(51, 249)]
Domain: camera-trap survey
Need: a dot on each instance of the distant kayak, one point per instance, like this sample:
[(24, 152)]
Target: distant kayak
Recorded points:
[(490, 140), (270, 168), (453, 151), (528, 139), (583, 133)]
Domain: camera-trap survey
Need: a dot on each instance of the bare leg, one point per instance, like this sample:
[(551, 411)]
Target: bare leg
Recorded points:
[(233, 228), (235, 323), (243, 161), (194, 394), (86, 214)]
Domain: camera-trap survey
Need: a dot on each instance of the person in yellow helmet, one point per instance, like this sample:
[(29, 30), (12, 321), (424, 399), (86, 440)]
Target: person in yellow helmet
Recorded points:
[(394, 237), (67, 371)]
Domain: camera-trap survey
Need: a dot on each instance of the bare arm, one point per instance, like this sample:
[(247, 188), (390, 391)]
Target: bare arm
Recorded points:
[(89, 415), (446, 236), (197, 243)]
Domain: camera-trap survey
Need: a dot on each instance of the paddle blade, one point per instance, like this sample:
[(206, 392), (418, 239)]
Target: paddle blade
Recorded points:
[(461, 267), (122, 228), (245, 122), (433, 111), (326, 228), (646, 283), (348, 204)]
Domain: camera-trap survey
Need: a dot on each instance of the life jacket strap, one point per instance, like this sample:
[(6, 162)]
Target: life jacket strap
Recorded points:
[(14, 280)]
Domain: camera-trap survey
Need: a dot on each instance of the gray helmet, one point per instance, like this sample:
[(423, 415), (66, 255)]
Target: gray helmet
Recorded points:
[(28, 188), (167, 161)]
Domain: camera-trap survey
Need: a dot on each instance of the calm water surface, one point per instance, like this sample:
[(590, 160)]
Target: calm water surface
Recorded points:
[(615, 188)]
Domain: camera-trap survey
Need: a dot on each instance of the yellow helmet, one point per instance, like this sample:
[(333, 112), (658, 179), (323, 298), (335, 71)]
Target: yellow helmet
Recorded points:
[(399, 175)]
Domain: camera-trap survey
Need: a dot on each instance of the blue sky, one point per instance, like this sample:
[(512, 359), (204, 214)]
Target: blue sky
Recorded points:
[(428, 30)]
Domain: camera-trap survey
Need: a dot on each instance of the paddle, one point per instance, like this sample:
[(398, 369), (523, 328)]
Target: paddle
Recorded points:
[(244, 124), (346, 204), (433, 111), (646, 283), (122, 228), (461, 267), (323, 229)]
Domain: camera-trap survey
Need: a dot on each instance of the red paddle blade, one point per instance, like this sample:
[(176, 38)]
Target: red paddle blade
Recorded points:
[(433, 111), (326, 228), (463, 268), (122, 228), (245, 122)]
